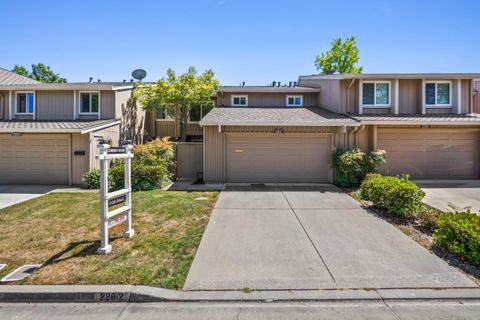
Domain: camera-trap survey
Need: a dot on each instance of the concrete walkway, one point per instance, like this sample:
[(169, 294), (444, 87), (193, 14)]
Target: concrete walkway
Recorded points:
[(460, 193), (308, 237)]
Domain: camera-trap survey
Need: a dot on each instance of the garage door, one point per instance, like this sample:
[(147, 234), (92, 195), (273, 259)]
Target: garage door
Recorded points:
[(278, 158), (34, 159), (429, 153)]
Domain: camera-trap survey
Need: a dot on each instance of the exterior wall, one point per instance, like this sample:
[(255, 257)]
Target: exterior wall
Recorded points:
[(54, 105), (132, 116), (331, 97), (189, 160), (4, 105), (258, 99), (107, 104), (213, 154), (410, 96), (476, 96), (112, 133), (171, 128), (80, 163)]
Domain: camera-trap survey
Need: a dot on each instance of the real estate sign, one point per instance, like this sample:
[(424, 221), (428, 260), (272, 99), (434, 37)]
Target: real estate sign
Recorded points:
[(120, 199)]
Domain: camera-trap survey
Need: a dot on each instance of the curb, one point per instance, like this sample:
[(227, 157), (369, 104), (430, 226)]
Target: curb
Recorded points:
[(138, 294)]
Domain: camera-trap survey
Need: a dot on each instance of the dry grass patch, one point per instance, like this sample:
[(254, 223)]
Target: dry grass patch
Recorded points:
[(61, 230)]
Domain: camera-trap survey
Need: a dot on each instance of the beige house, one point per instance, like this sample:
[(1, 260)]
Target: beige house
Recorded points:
[(427, 123), (49, 132)]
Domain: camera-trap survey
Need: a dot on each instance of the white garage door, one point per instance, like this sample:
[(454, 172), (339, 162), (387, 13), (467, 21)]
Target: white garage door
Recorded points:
[(278, 158), (34, 159), (430, 153)]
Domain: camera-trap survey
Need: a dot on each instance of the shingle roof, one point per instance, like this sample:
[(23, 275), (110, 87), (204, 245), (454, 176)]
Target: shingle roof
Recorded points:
[(11, 78), (55, 126), (473, 119), (68, 86), (282, 89), (288, 116)]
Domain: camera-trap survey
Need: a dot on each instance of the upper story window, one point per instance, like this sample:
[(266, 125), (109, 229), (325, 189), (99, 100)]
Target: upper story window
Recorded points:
[(294, 101), (239, 101), (196, 114), (25, 103), (89, 102), (161, 114), (376, 93), (438, 93)]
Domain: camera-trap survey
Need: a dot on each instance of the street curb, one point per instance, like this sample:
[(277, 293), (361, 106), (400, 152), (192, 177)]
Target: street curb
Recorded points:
[(138, 294)]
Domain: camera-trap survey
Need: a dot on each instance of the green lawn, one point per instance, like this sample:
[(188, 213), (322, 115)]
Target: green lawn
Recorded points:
[(61, 230)]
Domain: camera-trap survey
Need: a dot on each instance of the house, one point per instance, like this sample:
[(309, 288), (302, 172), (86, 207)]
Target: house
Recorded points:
[(426, 123), (49, 131)]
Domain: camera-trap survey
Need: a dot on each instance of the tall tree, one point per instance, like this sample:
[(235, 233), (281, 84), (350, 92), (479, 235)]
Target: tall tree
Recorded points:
[(177, 95), (40, 72), (341, 58)]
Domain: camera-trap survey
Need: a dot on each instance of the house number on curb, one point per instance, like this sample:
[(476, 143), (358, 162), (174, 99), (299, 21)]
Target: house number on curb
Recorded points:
[(123, 214)]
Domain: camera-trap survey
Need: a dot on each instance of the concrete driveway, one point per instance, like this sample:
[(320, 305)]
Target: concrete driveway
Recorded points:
[(460, 193), (13, 194), (310, 237)]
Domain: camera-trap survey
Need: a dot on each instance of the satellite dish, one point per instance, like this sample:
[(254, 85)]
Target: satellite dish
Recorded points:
[(139, 74)]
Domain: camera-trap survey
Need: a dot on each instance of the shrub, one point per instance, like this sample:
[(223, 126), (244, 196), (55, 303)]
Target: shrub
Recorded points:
[(395, 195), (427, 218), (459, 233), (92, 178), (153, 153), (143, 177), (351, 166)]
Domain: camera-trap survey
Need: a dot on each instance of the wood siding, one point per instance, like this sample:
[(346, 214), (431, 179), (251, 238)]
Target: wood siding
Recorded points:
[(267, 99), (80, 163), (171, 128), (4, 105), (107, 104), (132, 115), (112, 133), (214, 154), (189, 160), (54, 105), (476, 96), (410, 98)]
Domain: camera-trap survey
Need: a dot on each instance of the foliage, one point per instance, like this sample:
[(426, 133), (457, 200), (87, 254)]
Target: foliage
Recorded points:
[(397, 196), (351, 166), (40, 72), (459, 233), (143, 177), (92, 178), (427, 218), (341, 58), (177, 95), (155, 152)]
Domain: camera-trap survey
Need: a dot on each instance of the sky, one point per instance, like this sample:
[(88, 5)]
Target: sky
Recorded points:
[(240, 40)]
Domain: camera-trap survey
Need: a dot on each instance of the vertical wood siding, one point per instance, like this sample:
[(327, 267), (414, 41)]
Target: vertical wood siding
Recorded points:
[(214, 154), (80, 164), (112, 133), (476, 96), (54, 105), (4, 105), (107, 104), (132, 116), (410, 96), (268, 99), (189, 160)]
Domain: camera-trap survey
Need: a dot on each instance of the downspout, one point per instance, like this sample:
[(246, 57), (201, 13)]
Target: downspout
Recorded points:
[(355, 133), (348, 94)]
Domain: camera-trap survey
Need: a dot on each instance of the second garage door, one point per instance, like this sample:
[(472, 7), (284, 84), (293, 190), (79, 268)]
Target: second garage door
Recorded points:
[(278, 158), (430, 153), (34, 159)]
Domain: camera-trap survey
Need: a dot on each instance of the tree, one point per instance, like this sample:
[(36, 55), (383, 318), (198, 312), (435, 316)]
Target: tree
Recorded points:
[(40, 72), (341, 58), (178, 95)]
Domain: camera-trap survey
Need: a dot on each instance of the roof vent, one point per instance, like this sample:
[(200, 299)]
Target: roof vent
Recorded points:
[(90, 80), (279, 83), (274, 83), (131, 80), (124, 80), (99, 80), (290, 84), (294, 83)]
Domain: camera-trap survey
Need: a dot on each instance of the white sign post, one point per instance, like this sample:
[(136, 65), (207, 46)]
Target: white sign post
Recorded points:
[(123, 214)]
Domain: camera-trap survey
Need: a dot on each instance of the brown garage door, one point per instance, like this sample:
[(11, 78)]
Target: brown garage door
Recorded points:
[(278, 158), (430, 153), (34, 159)]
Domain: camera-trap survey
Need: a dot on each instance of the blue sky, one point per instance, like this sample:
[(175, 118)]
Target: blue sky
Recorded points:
[(252, 41)]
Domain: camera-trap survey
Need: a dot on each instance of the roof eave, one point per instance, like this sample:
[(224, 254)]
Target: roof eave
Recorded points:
[(99, 127), (283, 124)]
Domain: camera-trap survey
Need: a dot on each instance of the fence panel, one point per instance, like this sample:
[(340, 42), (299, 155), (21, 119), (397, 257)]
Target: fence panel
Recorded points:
[(189, 160)]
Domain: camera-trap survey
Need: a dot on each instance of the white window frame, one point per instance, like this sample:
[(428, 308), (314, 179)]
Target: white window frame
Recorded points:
[(26, 107), (239, 96), (436, 105), (80, 103), (167, 117), (375, 105), (294, 96)]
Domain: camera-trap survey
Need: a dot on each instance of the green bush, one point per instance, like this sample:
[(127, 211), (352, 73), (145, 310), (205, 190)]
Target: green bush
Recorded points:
[(395, 195), (351, 166), (459, 233), (143, 177), (92, 178), (154, 153)]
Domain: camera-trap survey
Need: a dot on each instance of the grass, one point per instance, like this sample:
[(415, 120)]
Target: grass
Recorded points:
[(61, 230)]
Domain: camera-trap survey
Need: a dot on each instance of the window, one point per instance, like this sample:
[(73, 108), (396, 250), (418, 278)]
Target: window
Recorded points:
[(294, 101), (239, 101), (197, 113), (25, 103), (89, 102), (162, 115), (376, 93), (438, 93)]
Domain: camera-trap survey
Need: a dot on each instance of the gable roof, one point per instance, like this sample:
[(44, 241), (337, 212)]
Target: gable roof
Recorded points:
[(288, 116), (56, 126), (11, 78), (281, 89)]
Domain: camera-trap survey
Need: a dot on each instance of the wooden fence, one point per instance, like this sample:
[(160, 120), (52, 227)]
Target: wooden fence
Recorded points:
[(188, 160)]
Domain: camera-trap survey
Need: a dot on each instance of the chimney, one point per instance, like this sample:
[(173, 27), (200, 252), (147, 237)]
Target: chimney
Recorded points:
[(90, 80), (274, 83), (290, 84), (279, 83), (294, 83)]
